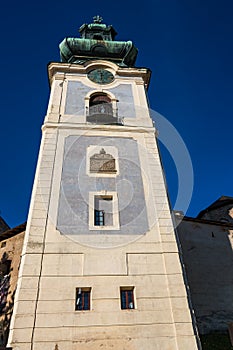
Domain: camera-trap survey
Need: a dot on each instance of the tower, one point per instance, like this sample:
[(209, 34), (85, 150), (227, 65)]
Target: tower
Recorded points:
[(100, 265)]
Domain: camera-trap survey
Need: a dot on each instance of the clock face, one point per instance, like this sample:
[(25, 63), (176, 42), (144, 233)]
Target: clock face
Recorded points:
[(100, 76)]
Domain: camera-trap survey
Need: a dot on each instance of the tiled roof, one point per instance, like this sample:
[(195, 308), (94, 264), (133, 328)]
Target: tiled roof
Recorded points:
[(12, 232), (222, 201)]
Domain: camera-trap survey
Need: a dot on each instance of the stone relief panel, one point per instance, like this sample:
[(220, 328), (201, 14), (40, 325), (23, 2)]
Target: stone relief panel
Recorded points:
[(102, 162)]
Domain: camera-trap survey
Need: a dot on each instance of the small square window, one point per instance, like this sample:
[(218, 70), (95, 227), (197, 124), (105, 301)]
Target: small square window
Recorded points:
[(83, 299), (127, 298)]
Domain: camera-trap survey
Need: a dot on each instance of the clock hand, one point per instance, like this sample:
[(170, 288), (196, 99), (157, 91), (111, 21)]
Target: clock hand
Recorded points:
[(101, 76)]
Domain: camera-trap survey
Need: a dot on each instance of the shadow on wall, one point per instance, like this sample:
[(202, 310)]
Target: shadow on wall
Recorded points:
[(208, 258), (6, 298)]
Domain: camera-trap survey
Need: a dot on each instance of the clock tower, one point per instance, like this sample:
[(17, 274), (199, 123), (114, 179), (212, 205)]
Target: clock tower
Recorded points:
[(100, 265)]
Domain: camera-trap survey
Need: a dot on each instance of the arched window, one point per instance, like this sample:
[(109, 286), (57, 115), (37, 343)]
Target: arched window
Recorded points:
[(100, 110), (98, 37), (100, 104)]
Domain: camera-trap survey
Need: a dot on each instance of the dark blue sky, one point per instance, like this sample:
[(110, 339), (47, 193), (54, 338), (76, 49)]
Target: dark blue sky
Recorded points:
[(188, 46)]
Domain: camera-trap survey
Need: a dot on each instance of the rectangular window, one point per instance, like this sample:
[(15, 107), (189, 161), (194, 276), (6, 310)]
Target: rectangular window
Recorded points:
[(103, 211), (127, 298), (83, 299), (99, 217)]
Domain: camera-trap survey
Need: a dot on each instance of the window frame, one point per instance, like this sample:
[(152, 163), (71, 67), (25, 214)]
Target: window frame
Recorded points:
[(129, 294), (99, 217), (115, 211), (90, 94), (85, 292)]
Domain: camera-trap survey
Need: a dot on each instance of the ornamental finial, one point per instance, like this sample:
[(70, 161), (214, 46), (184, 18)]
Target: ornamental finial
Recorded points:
[(97, 19), (102, 151)]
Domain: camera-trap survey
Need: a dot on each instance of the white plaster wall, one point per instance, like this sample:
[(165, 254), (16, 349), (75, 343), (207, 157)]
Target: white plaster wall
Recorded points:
[(54, 265)]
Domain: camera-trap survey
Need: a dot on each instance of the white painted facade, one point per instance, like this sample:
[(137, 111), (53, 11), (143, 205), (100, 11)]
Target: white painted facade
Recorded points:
[(55, 262)]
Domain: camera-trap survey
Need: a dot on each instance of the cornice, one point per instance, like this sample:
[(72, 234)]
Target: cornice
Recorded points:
[(123, 128), (62, 69)]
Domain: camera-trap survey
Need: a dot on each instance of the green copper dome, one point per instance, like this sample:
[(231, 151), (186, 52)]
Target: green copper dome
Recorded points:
[(97, 42)]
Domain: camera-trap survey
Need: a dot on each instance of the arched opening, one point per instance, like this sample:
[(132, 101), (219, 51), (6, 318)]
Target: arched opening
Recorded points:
[(99, 49), (98, 37), (100, 104), (100, 110)]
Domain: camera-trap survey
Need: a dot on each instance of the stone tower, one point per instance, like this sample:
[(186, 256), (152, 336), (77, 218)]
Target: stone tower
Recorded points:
[(100, 265)]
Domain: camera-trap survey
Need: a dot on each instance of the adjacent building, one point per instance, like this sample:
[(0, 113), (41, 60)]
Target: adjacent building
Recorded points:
[(207, 243), (11, 243)]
